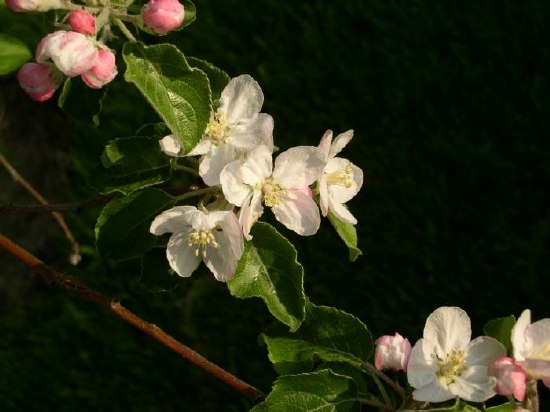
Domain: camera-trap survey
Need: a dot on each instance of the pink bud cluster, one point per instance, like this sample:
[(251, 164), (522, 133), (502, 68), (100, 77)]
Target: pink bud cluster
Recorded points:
[(392, 352), (162, 16), (510, 377), (33, 5)]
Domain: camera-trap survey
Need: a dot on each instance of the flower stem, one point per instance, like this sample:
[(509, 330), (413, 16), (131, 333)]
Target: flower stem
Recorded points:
[(124, 30), (198, 192), (394, 385)]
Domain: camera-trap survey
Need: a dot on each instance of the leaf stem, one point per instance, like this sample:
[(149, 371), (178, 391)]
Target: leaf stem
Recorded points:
[(124, 30), (68, 283), (197, 192)]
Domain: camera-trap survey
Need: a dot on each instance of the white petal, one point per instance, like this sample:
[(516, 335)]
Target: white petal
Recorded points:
[(518, 337), (324, 145), (171, 221), (181, 256), (323, 195), (251, 133), (203, 146), (421, 368), (258, 166), (450, 327), (538, 335), (299, 213), (433, 392), (212, 163), (298, 167), (537, 368), (342, 213), (340, 142), (234, 190), (339, 192), (483, 350), (473, 385), (170, 145), (241, 99), (251, 211)]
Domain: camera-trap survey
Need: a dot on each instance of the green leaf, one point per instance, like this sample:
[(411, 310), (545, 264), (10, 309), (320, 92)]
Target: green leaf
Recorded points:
[(122, 228), (180, 95), (190, 14), (348, 234), (326, 334), (130, 164), (322, 391), (505, 407), (13, 53), (80, 101), (217, 77), (268, 269), (501, 330)]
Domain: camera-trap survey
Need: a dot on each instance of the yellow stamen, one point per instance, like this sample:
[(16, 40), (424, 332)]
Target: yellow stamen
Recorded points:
[(216, 129), (451, 367), (202, 238), (341, 177), (272, 193)]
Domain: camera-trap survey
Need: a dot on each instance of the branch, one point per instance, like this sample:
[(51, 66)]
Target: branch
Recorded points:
[(67, 282), (75, 249)]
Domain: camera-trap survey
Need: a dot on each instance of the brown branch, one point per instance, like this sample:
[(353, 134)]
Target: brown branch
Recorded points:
[(75, 249), (57, 207), (67, 282)]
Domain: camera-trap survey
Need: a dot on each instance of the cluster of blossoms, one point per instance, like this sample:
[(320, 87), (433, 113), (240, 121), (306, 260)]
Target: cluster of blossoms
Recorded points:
[(446, 364), (80, 49), (236, 156)]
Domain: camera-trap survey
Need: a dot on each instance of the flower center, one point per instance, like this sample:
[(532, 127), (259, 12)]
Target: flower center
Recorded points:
[(216, 129), (450, 367), (542, 354), (341, 177), (272, 193), (202, 238)]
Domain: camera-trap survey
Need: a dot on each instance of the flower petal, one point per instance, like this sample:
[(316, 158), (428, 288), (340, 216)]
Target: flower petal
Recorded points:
[(241, 98), (234, 190), (450, 327), (538, 336), (250, 212), (298, 167), (298, 212), (170, 145), (421, 368), (257, 166), (213, 162), (180, 255), (203, 146), (253, 132), (518, 337), (340, 142), (324, 145), (483, 350), (473, 385), (171, 221)]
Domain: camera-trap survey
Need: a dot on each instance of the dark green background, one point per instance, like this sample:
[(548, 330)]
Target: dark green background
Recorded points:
[(451, 111)]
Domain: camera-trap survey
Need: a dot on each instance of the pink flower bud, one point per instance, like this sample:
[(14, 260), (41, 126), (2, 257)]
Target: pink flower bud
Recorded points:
[(102, 72), (162, 15), (392, 352), (510, 377), (33, 5), (82, 22), (72, 52), (40, 81)]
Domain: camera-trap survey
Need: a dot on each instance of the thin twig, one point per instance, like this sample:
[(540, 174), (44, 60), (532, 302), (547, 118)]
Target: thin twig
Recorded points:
[(395, 386), (75, 248), (57, 207), (67, 282)]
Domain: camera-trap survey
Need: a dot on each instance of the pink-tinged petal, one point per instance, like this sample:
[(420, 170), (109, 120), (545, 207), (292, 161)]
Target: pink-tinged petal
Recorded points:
[(171, 221), (102, 72), (257, 166), (450, 327), (241, 99), (181, 257), (250, 133), (40, 81), (212, 163), (511, 378), (251, 211), (324, 145), (340, 142), (234, 190), (473, 385), (536, 368), (298, 212), (298, 167), (170, 145), (82, 21), (483, 350), (518, 337), (33, 5), (392, 352), (546, 382), (163, 15)]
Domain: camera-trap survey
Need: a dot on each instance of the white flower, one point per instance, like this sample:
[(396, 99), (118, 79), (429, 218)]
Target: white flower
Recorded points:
[(234, 129), (531, 343), (392, 352), (213, 237), (445, 364), (341, 180), (284, 188), (170, 145)]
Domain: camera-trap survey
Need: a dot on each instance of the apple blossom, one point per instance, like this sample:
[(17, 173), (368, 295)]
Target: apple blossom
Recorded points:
[(392, 352), (284, 188), (445, 364), (102, 72), (234, 129), (163, 15), (170, 145), (40, 81), (511, 379), (341, 180), (214, 237), (82, 21), (33, 5), (72, 52), (531, 343)]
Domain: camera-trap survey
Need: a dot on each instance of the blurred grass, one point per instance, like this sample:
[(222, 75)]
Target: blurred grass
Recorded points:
[(450, 107)]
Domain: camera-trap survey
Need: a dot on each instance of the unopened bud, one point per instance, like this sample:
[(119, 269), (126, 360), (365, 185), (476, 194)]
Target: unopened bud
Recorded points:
[(170, 145), (162, 15), (510, 377), (40, 81), (392, 352), (82, 22), (103, 72), (33, 5), (72, 52)]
